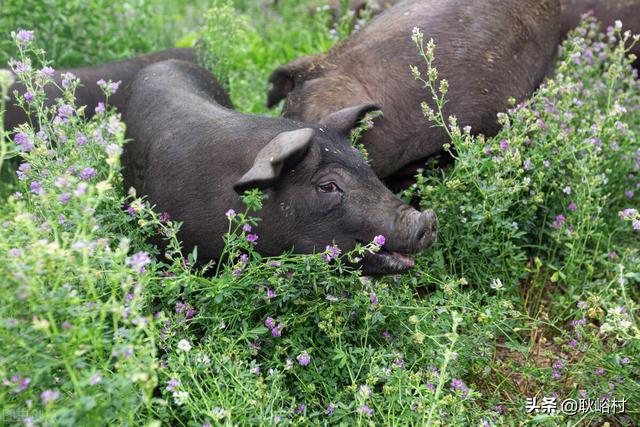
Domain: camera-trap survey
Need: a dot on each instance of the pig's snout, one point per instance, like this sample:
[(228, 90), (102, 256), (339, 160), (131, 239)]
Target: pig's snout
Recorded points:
[(426, 226)]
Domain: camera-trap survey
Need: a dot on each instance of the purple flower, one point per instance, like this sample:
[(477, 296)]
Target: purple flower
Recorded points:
[(399, 362), (625, 361), (87, 173), (60, 219), (173, 383), (270, 323), (244, 259), (331, 252), (113, 87), (364, 410), (573, 343), (95, 379), (600, 371), (582, 305), (304, 358), (180, 307), (271, 294), (277, 331), (21, 67), (252, 238), (301, 409), (636, 224), (559, 221), (100, 108), (49, 396), (373, 298), (23, 384), (379, 240), (114, 126), (80, 189), (22, 171), (459, 385), (504, 144), (628, 213), (28, 96), (546, 163), (24, 37), (164, 217), (246, 228), (527, 165), (36, 187), (572, 207), (24, 142), (45, 73), (255, 370), (629, 194), (81, 140), (230, 214), (67, 79), (330, 409), (64, 198), (138, 261), (65, 111), (113, 150), (102, 83)]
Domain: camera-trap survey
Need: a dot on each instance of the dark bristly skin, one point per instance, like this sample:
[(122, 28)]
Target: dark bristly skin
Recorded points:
[(192, 155), (89, 93), (606, 11), (488, 51)]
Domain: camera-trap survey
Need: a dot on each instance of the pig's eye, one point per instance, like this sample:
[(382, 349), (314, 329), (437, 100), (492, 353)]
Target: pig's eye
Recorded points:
[(329, 187)]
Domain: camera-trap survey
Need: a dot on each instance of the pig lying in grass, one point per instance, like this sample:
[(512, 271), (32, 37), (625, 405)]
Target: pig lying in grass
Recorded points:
[(192, 156), (89, 94), (489, 51)]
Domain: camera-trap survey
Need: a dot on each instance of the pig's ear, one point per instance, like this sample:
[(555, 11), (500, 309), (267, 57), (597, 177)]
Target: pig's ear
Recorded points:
[(359, 7), (342, 121), (285, 148), (284, 77)]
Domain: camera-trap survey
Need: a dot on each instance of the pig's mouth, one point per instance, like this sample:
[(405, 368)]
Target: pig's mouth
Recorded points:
[(384, 262)]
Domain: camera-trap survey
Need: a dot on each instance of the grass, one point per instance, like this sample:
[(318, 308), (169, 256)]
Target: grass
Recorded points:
[(531, 289)]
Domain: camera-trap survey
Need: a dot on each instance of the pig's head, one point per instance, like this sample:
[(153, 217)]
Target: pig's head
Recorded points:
[(314, 88), (321, 191)]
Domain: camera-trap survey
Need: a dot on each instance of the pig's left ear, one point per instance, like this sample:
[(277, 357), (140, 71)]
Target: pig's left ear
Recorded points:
[(283, 79), (342, 121), (285, 148)]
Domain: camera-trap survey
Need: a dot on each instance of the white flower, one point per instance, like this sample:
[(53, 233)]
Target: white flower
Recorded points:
[(497, 284), (180, 397), (184, 345)]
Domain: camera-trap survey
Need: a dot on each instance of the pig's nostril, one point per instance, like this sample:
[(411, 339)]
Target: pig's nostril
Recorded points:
[(423, 234), (428, 226)]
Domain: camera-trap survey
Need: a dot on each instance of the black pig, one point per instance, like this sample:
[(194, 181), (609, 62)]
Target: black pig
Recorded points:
[(89, 93), (191, 155), (488, 51)]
